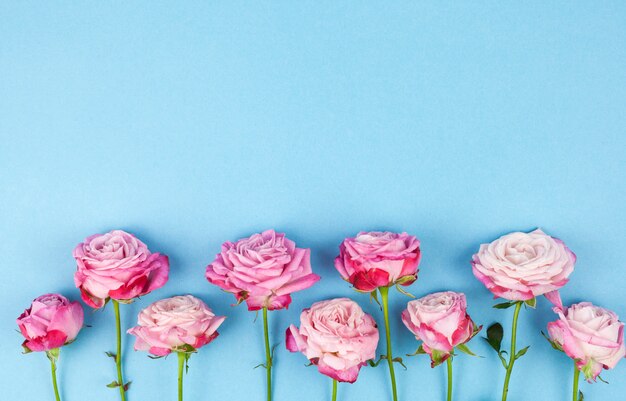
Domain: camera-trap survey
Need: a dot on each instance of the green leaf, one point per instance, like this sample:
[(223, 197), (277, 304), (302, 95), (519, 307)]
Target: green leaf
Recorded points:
[(531, 303), (374, 297), (404, 292), (406, 279), (110, 355), (419, 351), (504, 305), (495, 333), (581, 397), (113, 384), (505, 364), (399, 360), (465, 349), (521, 352)]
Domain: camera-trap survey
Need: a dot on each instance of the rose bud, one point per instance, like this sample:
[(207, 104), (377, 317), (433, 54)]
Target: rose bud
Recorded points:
[(592, 336), (441, 322), (262, 270), (520, 266), (179, 324), (50, 322), (378, 259), (337, 336), (119, 266)]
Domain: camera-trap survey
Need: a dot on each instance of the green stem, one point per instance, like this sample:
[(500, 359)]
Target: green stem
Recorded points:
[(268, 356), (118, 355), (449, 363), (384, 293), (181, 365), (509, 369), (576, 377), (334, 390), (53, 366)]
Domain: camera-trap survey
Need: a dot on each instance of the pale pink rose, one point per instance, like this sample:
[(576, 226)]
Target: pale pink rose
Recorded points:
[(520, 266), (180, 324), (51, 322), (263, 270), (117, 265), (441, 322), (591, 335), (337, 336), (378, 259)]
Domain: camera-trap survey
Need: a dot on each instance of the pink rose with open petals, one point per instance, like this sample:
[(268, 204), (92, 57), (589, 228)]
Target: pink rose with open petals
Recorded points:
[(337, 336), (378, 259), (441, 322), (51, 322), (179, 324), (520, 266), (117, 265), (263, 270), (591, 335)]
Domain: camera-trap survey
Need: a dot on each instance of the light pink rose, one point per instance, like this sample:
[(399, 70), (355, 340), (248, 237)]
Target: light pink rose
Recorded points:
[(263, 270), (441, 322), (378, 259), (591, 335), (179, 324), (337, 336), (51, 322), (117, 265), (520, 266)]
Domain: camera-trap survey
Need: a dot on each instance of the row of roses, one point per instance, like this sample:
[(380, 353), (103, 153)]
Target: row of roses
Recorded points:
[(335, 335)]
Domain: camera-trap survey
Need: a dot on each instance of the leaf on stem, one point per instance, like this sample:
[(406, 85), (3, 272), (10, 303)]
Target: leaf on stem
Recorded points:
[(531, 303), (419, 351), (399, 360), (504, 305), (113, 384), (495, 333), (581, 397), (521, 352), (465, 349), (110, 355), (374, 297)]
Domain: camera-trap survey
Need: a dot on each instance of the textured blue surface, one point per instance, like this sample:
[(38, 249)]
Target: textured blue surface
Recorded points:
[(190, 124)]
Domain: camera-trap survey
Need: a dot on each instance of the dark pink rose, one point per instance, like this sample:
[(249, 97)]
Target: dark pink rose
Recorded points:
[(441, 322), (591, 335), (378, 259), (51, 322), (337, 336), (117, 265), (179, 324), (263, 270), (520, 266)]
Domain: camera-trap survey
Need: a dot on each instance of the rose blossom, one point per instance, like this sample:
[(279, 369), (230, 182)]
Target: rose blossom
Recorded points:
[(441, 322), (337, 336), (263, 270), (520, 266), (378, 259), (117, 265), (51, 322), (591, 335), (181, 323)]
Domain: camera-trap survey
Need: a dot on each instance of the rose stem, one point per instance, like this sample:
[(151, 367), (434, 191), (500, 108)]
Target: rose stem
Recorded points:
[(334, 390), (449, 363), (53, 367), (118, 355), (384, 293), (181, 364), (268, 356), (509, 369), (576, 376)]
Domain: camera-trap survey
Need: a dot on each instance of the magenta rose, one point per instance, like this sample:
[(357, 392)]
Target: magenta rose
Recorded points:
[(378, 259), (51, 322), (263, 270), (520, 266), (337, 336), (119, 266), (179, 324), (591, 335), (441, 322)]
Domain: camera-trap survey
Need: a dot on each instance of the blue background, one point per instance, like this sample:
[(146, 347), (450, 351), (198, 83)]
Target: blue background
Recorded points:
[(190, 123)]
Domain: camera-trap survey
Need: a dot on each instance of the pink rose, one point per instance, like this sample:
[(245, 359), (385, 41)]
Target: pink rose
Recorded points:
[(117, 265), (179, 324), (337, 336), (51, 322), (441, 322), (263, 270), (520, 266), (378, 259), (592, 336)]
